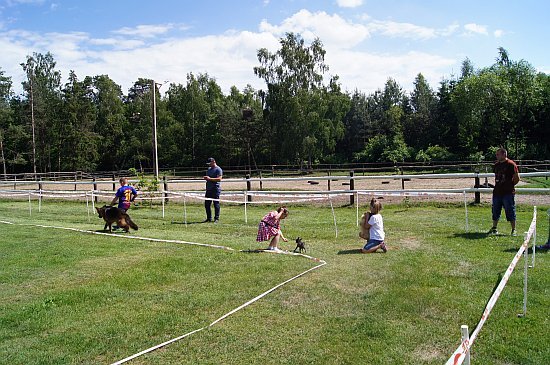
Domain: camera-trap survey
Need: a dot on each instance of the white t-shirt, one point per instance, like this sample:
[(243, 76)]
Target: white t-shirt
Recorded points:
[(376, 230)]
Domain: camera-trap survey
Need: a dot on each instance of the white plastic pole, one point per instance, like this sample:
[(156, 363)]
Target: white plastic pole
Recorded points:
[(526, 267), (184, 211), (466, 210), (30, 205), (245, 211), (87, 206), (333, 216), (39, 200), (93, 201), (534, 246), (357, 210), (466, 339), (162, 206)]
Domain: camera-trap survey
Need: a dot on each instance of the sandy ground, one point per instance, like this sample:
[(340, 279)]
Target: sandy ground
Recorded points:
[(395, 185)]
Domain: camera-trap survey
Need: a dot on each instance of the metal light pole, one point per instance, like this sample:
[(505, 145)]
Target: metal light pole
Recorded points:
[(155, 150)]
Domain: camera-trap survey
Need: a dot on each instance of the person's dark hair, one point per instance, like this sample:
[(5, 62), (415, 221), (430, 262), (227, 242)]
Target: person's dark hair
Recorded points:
[(283, 209), (503, 151)]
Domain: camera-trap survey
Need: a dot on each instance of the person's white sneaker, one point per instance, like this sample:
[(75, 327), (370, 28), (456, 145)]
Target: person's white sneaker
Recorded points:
[(277, 249)]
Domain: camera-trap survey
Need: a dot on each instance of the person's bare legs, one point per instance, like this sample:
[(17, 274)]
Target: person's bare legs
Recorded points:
[(274, 242)]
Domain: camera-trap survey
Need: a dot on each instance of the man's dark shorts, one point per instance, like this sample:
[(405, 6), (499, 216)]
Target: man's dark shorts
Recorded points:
[(507, 201)]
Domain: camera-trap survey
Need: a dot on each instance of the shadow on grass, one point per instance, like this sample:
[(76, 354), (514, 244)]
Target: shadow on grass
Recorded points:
[(529, 250), (471, 235), (348, 252), (176, 222), (259, 250)]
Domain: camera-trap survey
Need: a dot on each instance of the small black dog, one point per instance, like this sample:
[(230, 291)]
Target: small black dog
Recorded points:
[(300, 245)]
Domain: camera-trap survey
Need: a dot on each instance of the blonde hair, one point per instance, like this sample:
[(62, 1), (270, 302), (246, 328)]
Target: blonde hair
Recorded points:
[(375, 206)]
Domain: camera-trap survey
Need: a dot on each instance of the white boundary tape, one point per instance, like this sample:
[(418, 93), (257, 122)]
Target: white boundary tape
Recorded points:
[(156, 347), (460, 353), (122, 236)]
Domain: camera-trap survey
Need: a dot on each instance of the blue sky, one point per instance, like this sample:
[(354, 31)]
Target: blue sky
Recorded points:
[(366, 41)]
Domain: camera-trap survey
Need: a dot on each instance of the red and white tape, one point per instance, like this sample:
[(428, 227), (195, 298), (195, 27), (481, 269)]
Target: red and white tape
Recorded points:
[(459, 354)]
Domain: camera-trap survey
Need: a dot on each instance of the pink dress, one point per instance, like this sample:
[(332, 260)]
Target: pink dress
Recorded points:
[(268, 227)]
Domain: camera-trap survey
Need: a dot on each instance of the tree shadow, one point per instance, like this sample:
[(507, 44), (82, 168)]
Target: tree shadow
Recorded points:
[(349, 252)]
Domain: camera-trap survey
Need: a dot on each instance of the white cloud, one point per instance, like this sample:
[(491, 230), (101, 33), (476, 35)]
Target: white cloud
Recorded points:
[(229, 57), (368, 72), (117, 43), (349, 3), (498, 33), (15, 2), (145, 31), (403, 30), (475, 28), (333, 30)]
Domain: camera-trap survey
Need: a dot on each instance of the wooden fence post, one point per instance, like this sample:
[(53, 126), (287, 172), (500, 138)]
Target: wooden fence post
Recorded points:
[(477, 197), (261, 184), (165, 188), (95, 189), (248, 187)]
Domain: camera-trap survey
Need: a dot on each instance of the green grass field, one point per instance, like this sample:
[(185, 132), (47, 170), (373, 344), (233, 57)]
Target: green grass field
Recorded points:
[(75, 298)]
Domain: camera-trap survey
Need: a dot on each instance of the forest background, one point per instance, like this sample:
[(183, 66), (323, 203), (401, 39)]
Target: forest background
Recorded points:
[(302, 116)]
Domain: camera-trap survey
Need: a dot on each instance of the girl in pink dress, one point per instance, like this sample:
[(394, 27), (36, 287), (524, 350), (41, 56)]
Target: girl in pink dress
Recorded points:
[(270, 227)]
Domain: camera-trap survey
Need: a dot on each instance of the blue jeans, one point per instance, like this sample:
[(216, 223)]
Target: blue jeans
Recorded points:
[(372, 243), (507, 201), (214, 194)]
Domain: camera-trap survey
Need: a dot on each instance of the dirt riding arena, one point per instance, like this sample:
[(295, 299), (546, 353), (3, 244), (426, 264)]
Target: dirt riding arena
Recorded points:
[(340, 184)]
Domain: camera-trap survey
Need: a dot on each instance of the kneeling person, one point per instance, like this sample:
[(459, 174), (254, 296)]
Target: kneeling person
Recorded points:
[(375, 226)]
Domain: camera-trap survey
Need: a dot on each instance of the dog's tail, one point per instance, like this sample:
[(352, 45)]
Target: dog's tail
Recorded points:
[(131, 223)]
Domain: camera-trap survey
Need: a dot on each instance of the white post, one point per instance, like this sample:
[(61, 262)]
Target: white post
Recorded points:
[(162, 206), (87, 206), (184, 210), (30, 205), (357, 210), (466, 210), (93, 201), (39, 200), (526, 267), (245, 211), (534, 245), (333, 216), (466, 339)]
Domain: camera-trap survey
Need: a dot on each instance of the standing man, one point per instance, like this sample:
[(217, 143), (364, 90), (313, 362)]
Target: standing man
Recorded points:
[(213, 179), (506, 177)]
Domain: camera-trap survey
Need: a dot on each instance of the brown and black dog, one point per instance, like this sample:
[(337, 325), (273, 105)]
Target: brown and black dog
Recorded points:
[(112, 214)]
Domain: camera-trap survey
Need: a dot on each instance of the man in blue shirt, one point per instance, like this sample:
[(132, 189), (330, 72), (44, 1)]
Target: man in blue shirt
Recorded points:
[(213, 179), (125, 195)]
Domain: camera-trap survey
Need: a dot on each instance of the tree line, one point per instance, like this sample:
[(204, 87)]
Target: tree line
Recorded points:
[(301, 116)]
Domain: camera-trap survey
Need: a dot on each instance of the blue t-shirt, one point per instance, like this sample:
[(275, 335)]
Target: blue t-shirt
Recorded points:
[(125, 195), (213, 172)]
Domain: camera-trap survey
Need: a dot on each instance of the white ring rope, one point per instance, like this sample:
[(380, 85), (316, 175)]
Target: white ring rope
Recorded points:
[(121, 236), (153, 348)]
